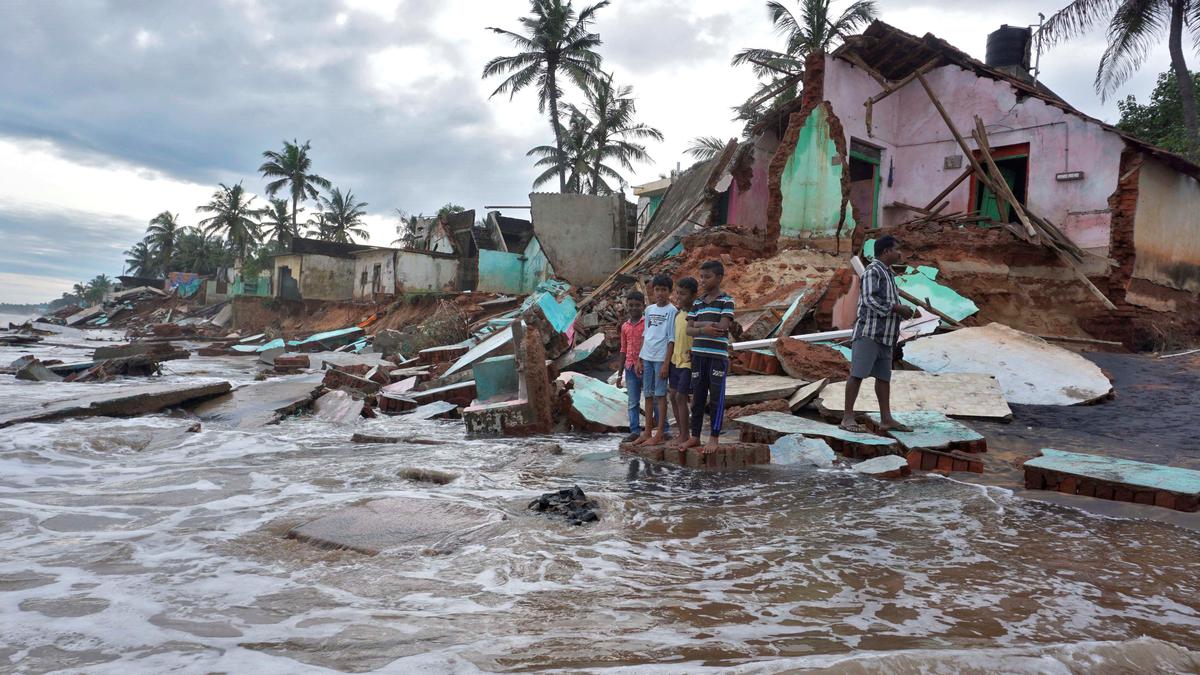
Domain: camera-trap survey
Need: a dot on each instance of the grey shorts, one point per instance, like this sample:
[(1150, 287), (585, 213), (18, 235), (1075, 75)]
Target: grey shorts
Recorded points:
[(870, 358)]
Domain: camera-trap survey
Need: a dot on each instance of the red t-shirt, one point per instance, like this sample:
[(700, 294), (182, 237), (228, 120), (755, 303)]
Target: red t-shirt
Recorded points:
[(631, 341)]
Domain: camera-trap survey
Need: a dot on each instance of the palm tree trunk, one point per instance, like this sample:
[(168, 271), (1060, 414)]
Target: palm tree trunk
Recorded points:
[(295, 228), (1187, 89), (551, 71)]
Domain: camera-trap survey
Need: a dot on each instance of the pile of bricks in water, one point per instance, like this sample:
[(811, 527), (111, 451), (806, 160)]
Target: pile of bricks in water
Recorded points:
[(943, 461), (1042, 479), (340, 379), (291, 363), (390, 404), (727, 456)]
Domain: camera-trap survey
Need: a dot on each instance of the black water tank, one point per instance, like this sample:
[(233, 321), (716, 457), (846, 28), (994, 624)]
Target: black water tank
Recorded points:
[(1009, 46)]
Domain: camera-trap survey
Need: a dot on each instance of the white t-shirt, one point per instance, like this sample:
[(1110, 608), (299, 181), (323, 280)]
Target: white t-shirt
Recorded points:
[(660, 330)]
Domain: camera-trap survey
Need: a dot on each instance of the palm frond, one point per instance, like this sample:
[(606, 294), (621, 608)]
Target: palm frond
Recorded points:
[(1132, 33), (1075, 19)]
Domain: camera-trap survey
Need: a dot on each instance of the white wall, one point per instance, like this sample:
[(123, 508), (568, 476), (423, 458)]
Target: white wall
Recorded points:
[(424, 273)]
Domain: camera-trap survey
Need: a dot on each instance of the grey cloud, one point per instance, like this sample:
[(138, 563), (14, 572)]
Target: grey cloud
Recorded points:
[(652, 36), (66, 244)]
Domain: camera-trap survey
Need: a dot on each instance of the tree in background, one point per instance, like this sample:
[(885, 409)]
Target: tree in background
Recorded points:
[(571, 159), (1160, 120), (555, 41), (814, 32), (200, 253), (292, 169), (141, 260), (704, 148), (234, 218), (616, 133), (447, 209), (278, 223), (161, 235), (1134, 28), (97, 288), (406, 229), (341, 217)]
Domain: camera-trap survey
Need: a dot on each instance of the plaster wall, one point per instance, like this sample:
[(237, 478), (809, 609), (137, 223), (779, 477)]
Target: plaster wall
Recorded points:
[(811, 183), (500, 272), (748, 208), (579, 234), (365, 262), (323, 277), (1166, 228), (420, 272)]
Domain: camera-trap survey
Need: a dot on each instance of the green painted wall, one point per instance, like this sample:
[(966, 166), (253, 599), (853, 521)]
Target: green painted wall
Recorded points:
[(811, 183), (500, 272)]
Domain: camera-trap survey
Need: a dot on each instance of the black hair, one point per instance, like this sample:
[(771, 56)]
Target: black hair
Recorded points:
[(688, 283), (636, 295), (884, 244), (715, 267), (661, 280)]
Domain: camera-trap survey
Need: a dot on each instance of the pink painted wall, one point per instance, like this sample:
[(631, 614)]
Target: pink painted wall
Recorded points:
[(749, 208), (914, 137)]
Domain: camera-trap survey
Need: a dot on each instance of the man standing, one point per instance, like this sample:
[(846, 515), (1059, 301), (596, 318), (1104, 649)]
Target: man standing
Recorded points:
[(875, 334)]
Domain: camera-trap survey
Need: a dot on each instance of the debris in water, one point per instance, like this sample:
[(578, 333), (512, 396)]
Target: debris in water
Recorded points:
[(427, 475), (571, 504)]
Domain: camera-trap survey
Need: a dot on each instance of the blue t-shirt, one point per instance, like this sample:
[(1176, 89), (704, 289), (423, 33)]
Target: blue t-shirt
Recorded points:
[(660, 331)]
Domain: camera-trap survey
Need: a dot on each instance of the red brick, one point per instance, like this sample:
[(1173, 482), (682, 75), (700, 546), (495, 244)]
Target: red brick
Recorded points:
[(1104, 491), (1122, 494), (929, 461), (1034, 479), (1067, 486), (1143, 497), (1164, 499), (944, 463), (1187, 503), (914, 459), (961, 465)]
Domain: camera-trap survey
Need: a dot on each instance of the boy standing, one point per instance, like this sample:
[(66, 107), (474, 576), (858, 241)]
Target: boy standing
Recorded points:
[(631, 362), (656, 338), (680, 379), (708, 324)]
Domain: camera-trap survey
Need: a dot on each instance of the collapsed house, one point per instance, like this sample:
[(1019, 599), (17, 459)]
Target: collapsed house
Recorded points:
[(1017, 197)]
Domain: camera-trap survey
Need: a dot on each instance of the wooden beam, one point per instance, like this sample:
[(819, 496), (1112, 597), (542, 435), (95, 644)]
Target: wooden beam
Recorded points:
[(783, 84), (962, 144), (950, 188), (875, 74), (986, 152), (891, 89)]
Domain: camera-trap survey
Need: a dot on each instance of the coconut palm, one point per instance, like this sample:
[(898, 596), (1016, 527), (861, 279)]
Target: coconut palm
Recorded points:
[(80, 291), (573, 161), (140, 259), (616, 132), (278, 223), (1134, 28), (341, 217), (97, 288), (556, 41), (234, 218), (814, 32), (291, 169), (705, 147), (200, 253), (161, 235), (406, 229)]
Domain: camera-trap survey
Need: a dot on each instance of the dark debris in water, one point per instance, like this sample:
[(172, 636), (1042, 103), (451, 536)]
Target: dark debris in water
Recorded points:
[(571, 504)]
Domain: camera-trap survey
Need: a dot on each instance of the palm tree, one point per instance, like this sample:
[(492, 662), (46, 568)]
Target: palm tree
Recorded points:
[(705, 148), (279, 223), (97, 288), (80, 291), (612, 109), (555, 40), (1134, 27), (341, 217), (406, 229), (813, 33), (140, 259), (232, 217), (291, 168), (571, 162), (200, 253), (162, 234)]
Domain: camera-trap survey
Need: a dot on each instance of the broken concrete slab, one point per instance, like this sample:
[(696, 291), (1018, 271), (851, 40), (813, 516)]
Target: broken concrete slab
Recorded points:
[(262, 403), (85, 314), (319, 360), (595, 405), (500, 418), (1114, 479), (970, 395), (161, 351), (806, 394), (495, 345), (797, 449), (267, 356), (34, 371), (338, 407), (745, 389), (461, 394), (580, 354), (932, 430), (395, 404), (1030, 370), (335, 378), (884, 466), (393, 523), (327, 340), (401, 387), (496, 378), (434, 410), (223, 317), (769, 427), (126, 402)]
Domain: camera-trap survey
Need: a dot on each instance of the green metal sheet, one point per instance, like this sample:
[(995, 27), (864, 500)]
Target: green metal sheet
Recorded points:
[(1123, 471), (600, 402), (930, 429)]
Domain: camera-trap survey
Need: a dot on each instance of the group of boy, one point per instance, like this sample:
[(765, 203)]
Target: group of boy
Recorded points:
[(677, 350)]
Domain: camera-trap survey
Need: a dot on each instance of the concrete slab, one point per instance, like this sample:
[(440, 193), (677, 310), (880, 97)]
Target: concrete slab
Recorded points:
[(331, 339), (969, 395), (261, 403), (496, 344), (393, 523), (596, 405), (932, 430), (1113, 478), (796, 449), (500, 418), (433, 410), (319, 360), (338, 407), (885, 466), (768, 427), (1030, 370), (746, 389), (579, 353), (461, 394), (806, 394), (126, 402)]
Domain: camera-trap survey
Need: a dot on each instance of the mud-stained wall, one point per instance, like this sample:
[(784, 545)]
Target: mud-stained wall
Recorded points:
[(578, 234), (1166, 228), (811, 183), (365, 263), (421, 272), (323, 277), (916, 142)]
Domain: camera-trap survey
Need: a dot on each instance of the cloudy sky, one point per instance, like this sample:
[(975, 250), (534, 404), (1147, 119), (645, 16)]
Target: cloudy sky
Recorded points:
[(113, 111)]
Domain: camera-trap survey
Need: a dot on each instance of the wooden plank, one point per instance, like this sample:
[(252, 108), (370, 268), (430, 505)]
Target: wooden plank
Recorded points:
[(918, 73), (950, 188), (1000, 185), (968, 395)]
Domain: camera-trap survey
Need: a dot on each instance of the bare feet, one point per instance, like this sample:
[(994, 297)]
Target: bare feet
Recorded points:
[(656, 439), (643, 438), (692, 442), (713, 444), (849, 424), (679, 441)]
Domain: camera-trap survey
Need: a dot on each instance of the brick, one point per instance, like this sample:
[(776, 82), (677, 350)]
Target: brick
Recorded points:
[(961, 465), (1164, 499), (693, 458), (945, 463), (914, 459), (1068, 484), (1034, 479), (1189, 503), (1104, 491), (1143, 497), (928, 461), (1122, 494)]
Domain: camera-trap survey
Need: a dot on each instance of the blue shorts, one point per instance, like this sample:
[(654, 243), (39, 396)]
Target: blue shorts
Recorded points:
[(653, 385), (680, 379)]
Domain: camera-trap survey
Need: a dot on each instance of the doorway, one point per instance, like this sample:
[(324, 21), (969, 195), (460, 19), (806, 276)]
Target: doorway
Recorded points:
[(864, 182), (1013, 163)]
